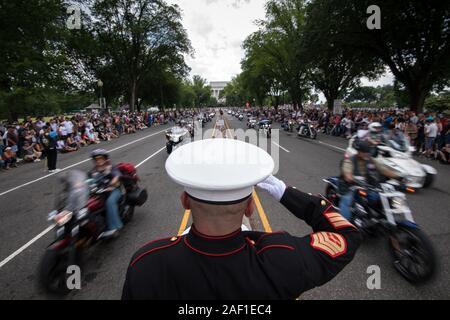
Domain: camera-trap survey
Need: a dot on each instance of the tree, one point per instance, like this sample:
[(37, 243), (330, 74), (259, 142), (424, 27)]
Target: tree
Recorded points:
[(414, 39), (33, 68), (140, 36), (201, 90), (333, 69), (363, 94), (274, 56), (235, 93)]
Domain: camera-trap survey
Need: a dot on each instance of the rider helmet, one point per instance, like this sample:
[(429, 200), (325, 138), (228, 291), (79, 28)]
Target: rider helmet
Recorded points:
[(100, 153), (375, 127)]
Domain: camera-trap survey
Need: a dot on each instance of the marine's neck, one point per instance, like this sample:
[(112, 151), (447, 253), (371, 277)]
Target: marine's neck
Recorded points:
[(216, 228)]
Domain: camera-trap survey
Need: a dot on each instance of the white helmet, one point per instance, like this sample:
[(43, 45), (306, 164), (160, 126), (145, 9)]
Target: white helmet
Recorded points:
[(375, 127)]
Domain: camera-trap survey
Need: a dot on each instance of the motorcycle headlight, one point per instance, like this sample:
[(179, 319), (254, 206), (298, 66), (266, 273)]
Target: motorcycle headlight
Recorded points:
[(398, 203), (63, 217)]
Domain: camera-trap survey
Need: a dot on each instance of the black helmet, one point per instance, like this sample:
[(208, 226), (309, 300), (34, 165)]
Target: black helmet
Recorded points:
[(100, 153), (362, 146)]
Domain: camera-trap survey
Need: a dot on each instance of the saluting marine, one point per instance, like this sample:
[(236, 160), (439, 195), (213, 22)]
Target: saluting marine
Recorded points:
[(216, 259)]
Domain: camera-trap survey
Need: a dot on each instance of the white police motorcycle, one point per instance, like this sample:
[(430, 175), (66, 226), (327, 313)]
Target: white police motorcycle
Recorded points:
[(397, 155), (175, 136), (265, 127)]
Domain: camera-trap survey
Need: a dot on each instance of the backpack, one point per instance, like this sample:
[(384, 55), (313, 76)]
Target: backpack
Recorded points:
[(127, 169), (129, 176)]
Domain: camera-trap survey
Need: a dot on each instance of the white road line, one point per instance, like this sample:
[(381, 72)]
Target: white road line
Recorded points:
[(281, 147), (157, 152), (43, 233), (25, 246), (330, 145), (76, 164)]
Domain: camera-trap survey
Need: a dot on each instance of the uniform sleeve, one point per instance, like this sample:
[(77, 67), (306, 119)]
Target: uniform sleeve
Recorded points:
[(126, 291), (331, 246)]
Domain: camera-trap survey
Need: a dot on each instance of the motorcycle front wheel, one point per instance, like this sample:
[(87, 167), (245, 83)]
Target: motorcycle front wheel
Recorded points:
[(332, 196), (414, 256), (53, 272), (169, 148), (429, 180)]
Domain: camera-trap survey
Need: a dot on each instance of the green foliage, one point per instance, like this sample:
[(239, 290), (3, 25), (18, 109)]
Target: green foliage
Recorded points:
[(274, 60), (140, 38), (334, 69), (439, 103), (235, 93), (414, 39), (136, 47)]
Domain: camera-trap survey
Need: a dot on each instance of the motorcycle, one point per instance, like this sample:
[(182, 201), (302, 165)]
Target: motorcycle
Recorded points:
[(80, 219), (265, 127), (175, 136), (398, 156), (413, 254), (251, 123), (307, 130), (241, 117), (289, 126)]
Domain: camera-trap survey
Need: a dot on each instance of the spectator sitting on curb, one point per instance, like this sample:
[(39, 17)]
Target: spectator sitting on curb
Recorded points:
[(30, 153), (9, 158)]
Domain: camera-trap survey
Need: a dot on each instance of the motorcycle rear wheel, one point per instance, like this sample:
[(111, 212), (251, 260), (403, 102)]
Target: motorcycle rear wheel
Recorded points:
[(128, 214), (414, 255)]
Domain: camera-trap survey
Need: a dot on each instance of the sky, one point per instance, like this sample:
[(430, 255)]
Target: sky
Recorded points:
[(217, 29)]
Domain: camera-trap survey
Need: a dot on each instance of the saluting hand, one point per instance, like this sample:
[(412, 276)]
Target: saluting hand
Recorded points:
[(274, 186)]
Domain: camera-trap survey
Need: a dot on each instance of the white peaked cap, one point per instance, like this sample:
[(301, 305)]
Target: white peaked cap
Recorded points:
[(219, 170)]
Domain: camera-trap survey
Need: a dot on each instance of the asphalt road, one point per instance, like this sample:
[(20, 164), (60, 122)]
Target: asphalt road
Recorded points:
[(25, 202)]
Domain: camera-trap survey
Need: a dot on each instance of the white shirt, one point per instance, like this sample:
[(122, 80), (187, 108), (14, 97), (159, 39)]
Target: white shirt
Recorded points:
[(60, 144), (431, 130), (54, 127), (63, 130), (69, 126)]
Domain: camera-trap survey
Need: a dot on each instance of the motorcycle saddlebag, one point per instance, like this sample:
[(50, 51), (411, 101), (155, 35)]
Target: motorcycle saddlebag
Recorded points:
[(137, 197)]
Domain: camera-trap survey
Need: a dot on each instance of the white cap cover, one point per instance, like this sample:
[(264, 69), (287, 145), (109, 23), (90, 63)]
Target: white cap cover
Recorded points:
[(219, 170)]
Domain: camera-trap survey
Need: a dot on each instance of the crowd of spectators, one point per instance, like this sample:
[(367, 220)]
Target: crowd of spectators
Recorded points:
[(428, 132), (32, 140)]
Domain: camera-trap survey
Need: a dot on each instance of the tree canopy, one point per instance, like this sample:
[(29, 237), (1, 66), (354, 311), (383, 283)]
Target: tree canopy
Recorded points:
[(327, 45)]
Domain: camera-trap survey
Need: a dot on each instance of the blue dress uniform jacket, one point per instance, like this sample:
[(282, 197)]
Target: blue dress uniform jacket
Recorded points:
[(246, 265)]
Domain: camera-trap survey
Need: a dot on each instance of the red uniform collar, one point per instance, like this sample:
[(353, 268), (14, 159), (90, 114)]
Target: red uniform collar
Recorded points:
[(215, 246)]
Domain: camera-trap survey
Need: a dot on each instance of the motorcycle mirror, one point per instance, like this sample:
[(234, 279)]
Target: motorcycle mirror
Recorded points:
[(52, 215)]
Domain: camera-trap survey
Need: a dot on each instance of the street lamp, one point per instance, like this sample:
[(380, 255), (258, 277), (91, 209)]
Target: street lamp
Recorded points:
[(100, 85)]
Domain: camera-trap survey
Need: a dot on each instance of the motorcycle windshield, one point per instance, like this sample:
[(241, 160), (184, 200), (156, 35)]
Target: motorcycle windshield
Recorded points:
[(399, 142), (75, 191)]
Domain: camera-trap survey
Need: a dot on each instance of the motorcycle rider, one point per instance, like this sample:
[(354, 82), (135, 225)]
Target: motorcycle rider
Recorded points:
[(108, 177), (303, 123), (364, 165), (374, 136)]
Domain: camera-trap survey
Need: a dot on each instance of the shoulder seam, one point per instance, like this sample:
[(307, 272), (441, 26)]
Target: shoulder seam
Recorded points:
[(270, 234), (279, 246), (153, 250)]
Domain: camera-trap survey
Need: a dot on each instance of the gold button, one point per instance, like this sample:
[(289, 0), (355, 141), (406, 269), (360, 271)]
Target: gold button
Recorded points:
[(324, 203), (174, 239)]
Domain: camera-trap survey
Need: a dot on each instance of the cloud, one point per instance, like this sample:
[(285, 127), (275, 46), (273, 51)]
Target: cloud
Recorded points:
[(217, 29)]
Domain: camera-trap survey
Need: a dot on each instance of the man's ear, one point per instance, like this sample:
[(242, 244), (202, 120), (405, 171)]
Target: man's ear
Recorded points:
[(250, 208), (185, 201)]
